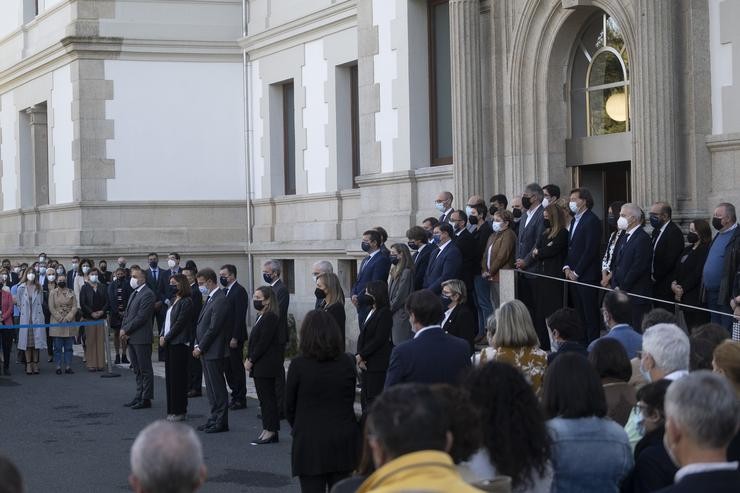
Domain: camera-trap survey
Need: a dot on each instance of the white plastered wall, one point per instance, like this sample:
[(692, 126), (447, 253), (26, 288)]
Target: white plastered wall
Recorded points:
[(61, 132)]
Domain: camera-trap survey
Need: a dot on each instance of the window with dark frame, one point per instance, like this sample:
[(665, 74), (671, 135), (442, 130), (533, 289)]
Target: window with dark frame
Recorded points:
[(440, 83), (355, 122), (289, 139)]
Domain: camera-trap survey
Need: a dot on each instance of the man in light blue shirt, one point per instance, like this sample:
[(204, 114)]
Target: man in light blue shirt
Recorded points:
[(722, 263), (617, 316)]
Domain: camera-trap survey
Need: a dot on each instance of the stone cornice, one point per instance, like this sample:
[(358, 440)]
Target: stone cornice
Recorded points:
[(308, 28), (723, 142)]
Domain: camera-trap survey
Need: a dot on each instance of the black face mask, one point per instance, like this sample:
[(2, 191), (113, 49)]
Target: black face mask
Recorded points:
[(394, 259), (103, 268), (547, 224), (517, 213), (153, 264), (492, 210), (473, 220), (258, 305), (412, 245), (446, 300), (692, 238), (717, 223), (62, 284), (365, 299), (612, 221), (526, 202), (224, 282), (319, 293)]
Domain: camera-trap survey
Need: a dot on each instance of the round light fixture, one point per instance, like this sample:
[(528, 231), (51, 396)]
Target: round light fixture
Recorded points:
[(616, 107)]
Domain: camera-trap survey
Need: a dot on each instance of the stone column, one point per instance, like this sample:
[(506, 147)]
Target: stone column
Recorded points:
[(39, 154), (467, 121), (654, 103)]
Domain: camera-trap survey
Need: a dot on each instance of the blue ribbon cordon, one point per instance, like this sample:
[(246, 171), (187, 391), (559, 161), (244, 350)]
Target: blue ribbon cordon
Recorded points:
[(65, 324)]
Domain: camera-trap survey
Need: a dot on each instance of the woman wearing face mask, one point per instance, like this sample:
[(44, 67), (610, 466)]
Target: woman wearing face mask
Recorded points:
[(105, 276), (93, 303), (50, 278), (264, 361), (686, 285), (30, 300), (499, 252), (653, 467), (83, 270), (458, 319), (63, 308), (6, 318), (607, 262), (374, 344), (400, 286), (331, 299)]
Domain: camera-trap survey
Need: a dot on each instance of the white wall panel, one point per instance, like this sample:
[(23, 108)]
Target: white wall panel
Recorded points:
[(257, 131), (62, 133), (386, 71), (315, 116), (8, 150), (721, 65)]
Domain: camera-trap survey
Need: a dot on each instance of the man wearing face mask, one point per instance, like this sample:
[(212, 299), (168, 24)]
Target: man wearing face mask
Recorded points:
[(667, 243), (195, 368), (473, 201), (447, 263), (136, 330), (235, 317), (632, 261), (373, 267), (271, 272), (723, 261), (702, 417), (158, 281), (173, 264), (470, 252), (122, 264), (421, 251), (551, 195), (72, 272), (531, 227), (12, 275), (517, 211), (443, 204)]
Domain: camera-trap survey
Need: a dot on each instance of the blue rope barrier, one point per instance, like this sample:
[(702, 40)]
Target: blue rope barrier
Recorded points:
[(65, 324)]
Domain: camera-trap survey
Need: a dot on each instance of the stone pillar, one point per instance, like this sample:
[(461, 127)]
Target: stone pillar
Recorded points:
[(654, 103), (467, 121), (37, 120)]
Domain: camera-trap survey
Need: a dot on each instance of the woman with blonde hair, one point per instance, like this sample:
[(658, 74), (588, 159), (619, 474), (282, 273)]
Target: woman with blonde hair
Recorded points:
[(331, 299), (515, 342), (400, 286), (459, 320), (30, 300), (726, 362)]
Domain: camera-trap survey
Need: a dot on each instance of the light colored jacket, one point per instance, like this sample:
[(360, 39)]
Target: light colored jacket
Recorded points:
[(63, 307), (32, 312), (398, 290)]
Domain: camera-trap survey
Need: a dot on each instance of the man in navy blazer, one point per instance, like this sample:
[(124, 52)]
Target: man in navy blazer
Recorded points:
[(447, 263), (632, 264), (374, 267), (531, 226), (423, 251), (583, 261), (432, 356), (158, 281)]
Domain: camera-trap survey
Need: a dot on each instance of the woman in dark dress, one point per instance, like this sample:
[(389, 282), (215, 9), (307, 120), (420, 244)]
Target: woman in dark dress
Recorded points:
[(179, 325), (264, 360), (94, 306), (374, 345), (329, 292), (459, 320), (549, 252), (319, 405), (686, 285)]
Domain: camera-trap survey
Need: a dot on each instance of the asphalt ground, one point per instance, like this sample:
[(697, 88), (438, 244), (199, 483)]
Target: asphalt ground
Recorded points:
[(71, 433)]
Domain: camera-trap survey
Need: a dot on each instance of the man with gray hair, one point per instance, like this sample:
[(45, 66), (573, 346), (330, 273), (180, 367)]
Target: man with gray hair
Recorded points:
[(702, 416), (665, 353), (167, 458), (632, 257), (318, 268), (722, 265)]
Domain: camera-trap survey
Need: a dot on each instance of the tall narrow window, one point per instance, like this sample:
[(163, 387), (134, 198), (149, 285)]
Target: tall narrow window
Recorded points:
[(289, 139), (440, 82), (355, 122)]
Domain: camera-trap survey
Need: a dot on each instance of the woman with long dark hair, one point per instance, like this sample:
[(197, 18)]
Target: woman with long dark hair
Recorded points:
[(331, 299), (319, 405), (687, 282), (515, 439), (400, 286)]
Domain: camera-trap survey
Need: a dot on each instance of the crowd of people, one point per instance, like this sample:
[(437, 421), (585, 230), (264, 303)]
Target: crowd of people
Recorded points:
[(617, 355)]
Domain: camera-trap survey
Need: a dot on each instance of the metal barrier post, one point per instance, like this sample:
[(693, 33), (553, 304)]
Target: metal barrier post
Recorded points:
[(106, 340)]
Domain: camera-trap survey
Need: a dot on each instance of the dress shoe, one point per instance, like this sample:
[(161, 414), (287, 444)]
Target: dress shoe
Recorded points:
[(59, 371), (216, 429), (68, 371), (204, 426), (132, 403), (143, 404), (124, 360), (194, 393), (118, 360), (262, 441), (174, 418), (236, 405)]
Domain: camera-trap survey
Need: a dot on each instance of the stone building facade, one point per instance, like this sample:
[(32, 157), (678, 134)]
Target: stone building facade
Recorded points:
[(162, 117)]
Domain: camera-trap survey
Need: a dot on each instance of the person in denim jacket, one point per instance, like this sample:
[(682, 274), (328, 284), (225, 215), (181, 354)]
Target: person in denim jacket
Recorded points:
[(590, 452)]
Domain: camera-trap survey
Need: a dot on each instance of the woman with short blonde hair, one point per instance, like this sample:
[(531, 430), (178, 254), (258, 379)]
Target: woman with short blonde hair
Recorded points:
[(726, 362)]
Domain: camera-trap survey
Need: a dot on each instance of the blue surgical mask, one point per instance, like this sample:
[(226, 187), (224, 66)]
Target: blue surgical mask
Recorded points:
[(640, 423), (468, 210), (203, 290), (439, 206), (365, 246), (645, 373), (436, 239)]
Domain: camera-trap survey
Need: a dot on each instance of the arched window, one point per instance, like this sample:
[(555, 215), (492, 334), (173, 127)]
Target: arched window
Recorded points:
[(601, 74)]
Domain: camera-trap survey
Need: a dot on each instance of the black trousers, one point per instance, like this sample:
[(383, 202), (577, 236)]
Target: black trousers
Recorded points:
[(176, 378), (372, 386), (585, 301), (6, 339), (141, 358), (236, 376), (321, 483), (268, 403), (195, 372), (218, 397), (280, 391)]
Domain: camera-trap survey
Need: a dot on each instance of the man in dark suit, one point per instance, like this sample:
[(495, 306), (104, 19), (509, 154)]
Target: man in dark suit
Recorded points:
[(72, 272), (482, 230), (136, 330), (444, 205), (173, 264), (195, 369), (237, 304), (271, 274), (582, 263), (158, 281), (211, 346), (431, 356), (467, 243), (531, 227), (668, 243), (374, 267), (446, 263), (631, 271), (422, 252), (701, 411), (318, 268)]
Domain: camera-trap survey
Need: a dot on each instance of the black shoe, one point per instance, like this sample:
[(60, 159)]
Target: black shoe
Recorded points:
[(204, 426), (262, 441), (6, 371), (194, 393), (124, 360), (259, 416), (236, 405), (59, 371), (216, 429), (118, 360), (143, 404), (132, 403), (68, 371)]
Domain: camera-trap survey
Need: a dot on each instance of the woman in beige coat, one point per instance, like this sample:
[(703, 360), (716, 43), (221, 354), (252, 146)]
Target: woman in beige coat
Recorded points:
[(63, 308), (499, 253)]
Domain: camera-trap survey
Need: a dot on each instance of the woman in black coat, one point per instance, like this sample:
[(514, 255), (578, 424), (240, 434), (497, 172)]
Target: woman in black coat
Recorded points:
[(331, 299), (686, 285), (179, 326), (374, 345), (459, 320), (549, 252), (93, 306), (264, 361), (319, 405)]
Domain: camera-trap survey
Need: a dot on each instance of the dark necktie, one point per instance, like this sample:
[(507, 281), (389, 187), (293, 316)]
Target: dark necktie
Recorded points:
[(364, 261), (434, 255), (156, 275)]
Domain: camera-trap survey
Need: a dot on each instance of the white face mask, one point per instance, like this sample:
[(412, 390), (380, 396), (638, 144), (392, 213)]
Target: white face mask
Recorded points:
[(440, 206), (74, 265), (645, 374), (134, 283), (42, 259), (573, 207), (171, 263), (31, 277), (4, 277), (85, 269), (622, 223), (496, 225), (16, 270), (51, 277), (60, 271), (545, 202), (468, 210), (94, 279)]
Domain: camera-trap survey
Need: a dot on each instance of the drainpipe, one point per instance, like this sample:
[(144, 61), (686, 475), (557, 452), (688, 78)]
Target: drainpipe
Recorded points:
[(246, 88)]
